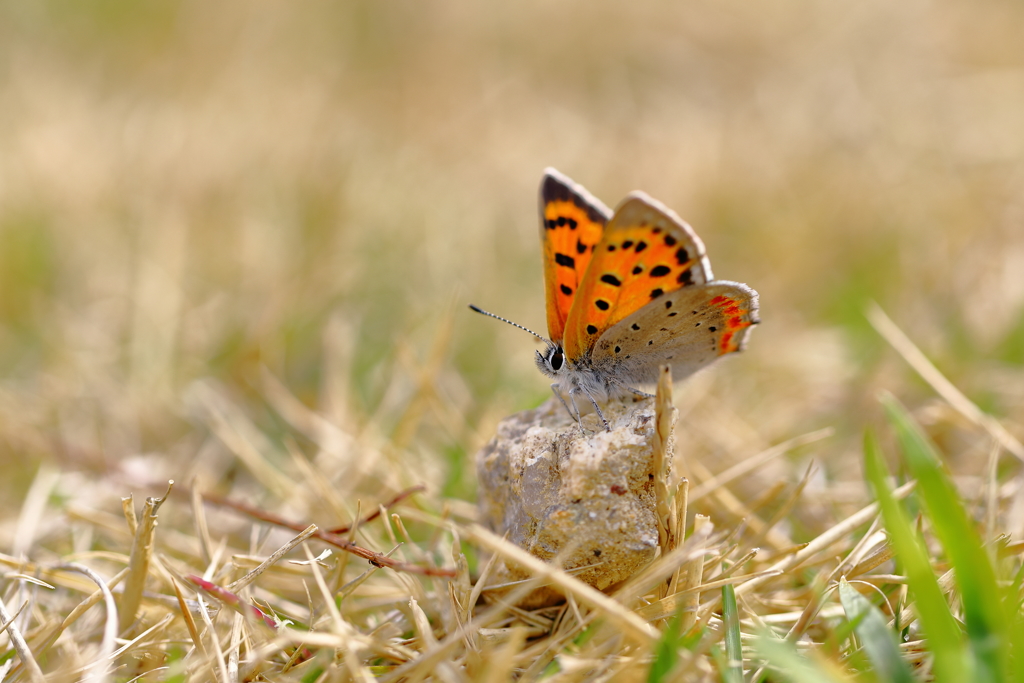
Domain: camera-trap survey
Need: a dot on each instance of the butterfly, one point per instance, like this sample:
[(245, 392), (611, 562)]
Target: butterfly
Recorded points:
[(628, 292)]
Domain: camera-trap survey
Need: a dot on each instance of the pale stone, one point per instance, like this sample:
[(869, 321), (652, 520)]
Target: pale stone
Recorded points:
[(587, 498)]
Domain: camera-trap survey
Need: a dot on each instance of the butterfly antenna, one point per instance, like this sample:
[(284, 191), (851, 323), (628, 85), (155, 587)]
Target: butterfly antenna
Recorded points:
[(506, 320)]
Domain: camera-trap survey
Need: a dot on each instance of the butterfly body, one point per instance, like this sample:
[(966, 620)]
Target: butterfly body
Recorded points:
[(627, 292)]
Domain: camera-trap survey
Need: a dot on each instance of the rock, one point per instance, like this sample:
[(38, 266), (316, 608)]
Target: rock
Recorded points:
[(588, 496)]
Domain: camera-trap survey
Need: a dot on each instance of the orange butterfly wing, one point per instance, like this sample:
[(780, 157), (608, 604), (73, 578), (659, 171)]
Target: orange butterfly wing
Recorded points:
[(646, 251), (571, 224)]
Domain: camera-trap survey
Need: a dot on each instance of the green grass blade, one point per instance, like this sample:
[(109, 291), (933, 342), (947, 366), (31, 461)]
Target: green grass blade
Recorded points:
[(986, 620), (733, 671), (872, 628), (666, 652), (790, 665), (944, 640)]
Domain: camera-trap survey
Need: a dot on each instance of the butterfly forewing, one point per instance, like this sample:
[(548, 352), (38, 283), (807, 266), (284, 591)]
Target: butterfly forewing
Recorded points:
[(687, 329), (572, 222), (646, 251)]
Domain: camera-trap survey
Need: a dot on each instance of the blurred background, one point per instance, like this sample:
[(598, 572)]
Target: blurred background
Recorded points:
[(215, 210)]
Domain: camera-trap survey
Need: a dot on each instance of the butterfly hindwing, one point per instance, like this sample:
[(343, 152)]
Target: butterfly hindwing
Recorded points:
[(646, 251), (571, 224), (687, 329)]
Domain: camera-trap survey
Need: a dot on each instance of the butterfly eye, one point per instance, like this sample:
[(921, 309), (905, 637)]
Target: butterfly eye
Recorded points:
[(556, 359)]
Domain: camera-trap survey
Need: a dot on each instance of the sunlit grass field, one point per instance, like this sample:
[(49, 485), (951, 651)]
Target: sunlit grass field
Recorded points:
[(238, 241)]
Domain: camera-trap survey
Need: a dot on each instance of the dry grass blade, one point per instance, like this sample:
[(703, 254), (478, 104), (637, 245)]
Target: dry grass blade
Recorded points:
[(823, 541), (128, 509), (691, 575), (138, 565), (502, 658), (664, 418), (20, 646), (630, 624), (731, 505), (33, 509), (79, 610), (429, 659), (199, 522), (381, 508), (14, 576), (946, 389), (681, 503), (274, 558), (686, 601), (219, 664), (785, 508), (748, 465), (992, 492), (662, 570), (481, 581), (855, 561), (375, 558), (143, 636), (186, 613), (98, 671), (13, 618), (340, 627)]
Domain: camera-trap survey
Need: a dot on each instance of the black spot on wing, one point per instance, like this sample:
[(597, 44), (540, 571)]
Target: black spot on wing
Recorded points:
[(682, 256), (580, 247), (566, 289), (641, 245), (565, 260), (685, 277), (655, 293), (637, 270), (610, 279), (670, 241), (591, 329), (636, 327), (602, 304), (660, 271)]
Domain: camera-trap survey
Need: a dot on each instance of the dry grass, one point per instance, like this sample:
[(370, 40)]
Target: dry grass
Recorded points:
[(237, 241)]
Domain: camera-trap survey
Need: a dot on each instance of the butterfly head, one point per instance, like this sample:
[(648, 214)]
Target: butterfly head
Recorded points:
[(552, 361)]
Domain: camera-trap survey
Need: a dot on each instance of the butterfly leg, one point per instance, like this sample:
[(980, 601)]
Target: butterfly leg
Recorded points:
[(556, 392), (642, 394), (579, 416), (600, 415), (574, 411)]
